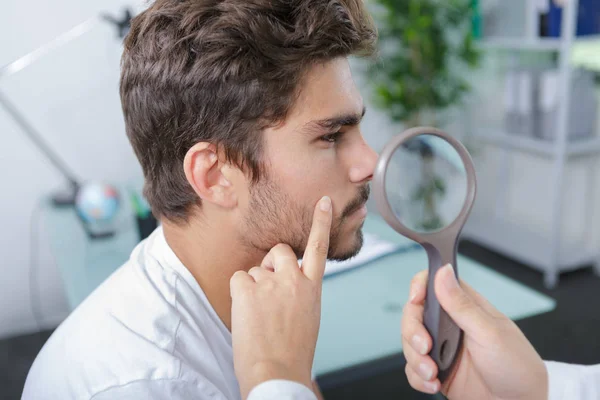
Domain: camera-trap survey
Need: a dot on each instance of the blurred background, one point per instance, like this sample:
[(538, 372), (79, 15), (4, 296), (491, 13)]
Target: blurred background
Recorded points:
[(516, 81)]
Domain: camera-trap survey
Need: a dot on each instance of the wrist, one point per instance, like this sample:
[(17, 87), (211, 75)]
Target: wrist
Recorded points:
[(268, 370)]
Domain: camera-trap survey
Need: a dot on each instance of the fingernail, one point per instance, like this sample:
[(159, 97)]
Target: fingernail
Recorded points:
[(325, 203), (425, 371), (419, 344), (450, 281), (431, 387)]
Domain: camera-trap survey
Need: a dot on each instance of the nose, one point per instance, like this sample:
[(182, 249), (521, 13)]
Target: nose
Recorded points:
[(363, 168)]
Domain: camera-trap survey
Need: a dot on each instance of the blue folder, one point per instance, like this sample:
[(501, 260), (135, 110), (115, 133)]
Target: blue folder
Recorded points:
[(588, 18)]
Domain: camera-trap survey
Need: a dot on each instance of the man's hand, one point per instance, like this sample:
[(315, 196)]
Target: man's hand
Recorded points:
[(276, 310), (496, 361)]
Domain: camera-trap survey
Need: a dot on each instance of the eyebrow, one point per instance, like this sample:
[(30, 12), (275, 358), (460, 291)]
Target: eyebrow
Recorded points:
[(337, 121)]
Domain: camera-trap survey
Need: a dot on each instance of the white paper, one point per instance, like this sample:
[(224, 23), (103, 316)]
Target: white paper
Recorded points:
[(510, 95), (548, 97), (373, 248), (525, 104)]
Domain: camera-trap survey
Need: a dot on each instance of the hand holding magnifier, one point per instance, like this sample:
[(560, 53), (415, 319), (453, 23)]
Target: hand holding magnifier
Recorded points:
[(424, 187)]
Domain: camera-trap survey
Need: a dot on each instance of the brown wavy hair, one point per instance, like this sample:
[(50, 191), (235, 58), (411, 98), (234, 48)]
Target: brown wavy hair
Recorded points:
[(220, 71)]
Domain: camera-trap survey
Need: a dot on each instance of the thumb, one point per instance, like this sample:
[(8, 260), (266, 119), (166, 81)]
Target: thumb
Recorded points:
[(467, 314)]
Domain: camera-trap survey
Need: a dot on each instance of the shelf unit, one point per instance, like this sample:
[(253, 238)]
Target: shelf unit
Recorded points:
[(527, 246), (531, 44), (546, 148), (548, 253)]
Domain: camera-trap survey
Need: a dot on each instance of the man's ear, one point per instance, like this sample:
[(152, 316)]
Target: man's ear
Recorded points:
[(205, 173)]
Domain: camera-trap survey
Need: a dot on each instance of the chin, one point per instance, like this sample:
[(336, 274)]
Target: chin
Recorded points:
[(348, 248)]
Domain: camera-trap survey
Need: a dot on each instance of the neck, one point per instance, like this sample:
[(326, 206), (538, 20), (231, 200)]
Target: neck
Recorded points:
[(212, 254)]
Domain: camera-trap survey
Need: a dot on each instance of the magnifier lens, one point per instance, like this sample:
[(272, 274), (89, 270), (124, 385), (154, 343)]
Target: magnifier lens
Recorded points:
[(426, 183)]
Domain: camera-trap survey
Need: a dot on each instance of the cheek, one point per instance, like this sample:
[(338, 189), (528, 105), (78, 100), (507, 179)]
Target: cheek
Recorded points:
[(307, 180)]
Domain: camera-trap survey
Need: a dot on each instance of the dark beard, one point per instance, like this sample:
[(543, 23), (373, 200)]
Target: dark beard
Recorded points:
[(354, 205), (275, 218)]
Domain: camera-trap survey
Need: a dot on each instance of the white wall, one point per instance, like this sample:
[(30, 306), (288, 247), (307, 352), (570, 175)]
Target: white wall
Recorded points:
[(71, 97)]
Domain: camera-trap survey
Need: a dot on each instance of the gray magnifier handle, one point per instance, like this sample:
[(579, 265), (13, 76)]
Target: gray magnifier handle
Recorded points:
[(424, 186)]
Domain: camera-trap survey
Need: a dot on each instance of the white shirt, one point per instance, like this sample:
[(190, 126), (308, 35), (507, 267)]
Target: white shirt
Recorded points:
[(573, 382), (147, 332)]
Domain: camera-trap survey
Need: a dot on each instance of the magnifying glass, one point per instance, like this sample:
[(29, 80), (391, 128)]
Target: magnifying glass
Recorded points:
[(424, 186)]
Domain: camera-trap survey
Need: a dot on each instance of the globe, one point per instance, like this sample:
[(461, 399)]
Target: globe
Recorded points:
[(97, 202)]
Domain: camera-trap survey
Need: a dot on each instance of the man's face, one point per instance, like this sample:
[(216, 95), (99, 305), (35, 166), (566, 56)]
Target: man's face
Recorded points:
[(317, 151)]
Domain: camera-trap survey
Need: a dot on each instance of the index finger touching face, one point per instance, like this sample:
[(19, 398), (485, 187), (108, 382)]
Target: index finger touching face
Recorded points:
[(317, 247)]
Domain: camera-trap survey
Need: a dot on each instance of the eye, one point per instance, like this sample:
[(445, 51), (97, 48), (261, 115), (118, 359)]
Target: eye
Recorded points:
[(332, 137)]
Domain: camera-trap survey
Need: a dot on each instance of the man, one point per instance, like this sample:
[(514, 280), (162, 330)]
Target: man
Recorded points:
[(496, 361), (243, 114)]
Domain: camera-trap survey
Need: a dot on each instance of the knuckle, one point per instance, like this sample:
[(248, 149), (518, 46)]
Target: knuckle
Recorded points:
[(292, 277), (410, 322), (498, 333), (417, 279), (320, 246), (313, 290), (253, 270), (237, 278), (300, 290), (282, 248), (268, 285), (253, 273), (293, 283), (292, 290), (464, 303), (322, 221), (410, 375), (406, 341), (237, 275), (238, 284), (411, 346)]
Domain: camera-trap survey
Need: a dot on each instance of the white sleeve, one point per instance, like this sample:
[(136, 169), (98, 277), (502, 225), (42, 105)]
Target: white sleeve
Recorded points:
[(279, 389), (573, 382)]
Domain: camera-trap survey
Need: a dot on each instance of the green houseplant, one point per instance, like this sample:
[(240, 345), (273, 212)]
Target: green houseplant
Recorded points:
[(431, 186), (426, 51)]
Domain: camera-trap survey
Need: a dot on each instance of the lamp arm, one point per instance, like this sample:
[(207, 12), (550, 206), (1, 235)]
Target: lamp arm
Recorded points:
[(36, 138)]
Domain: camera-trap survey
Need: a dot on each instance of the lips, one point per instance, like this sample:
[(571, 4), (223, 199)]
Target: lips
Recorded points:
[(358, 203)]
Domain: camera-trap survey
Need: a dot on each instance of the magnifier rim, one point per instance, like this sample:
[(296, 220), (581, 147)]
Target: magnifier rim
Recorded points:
[(381, 172)]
